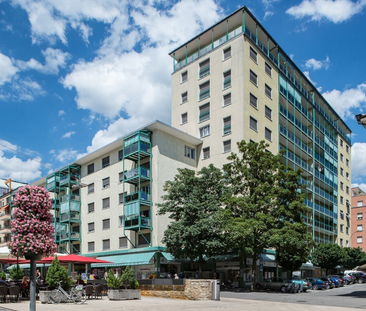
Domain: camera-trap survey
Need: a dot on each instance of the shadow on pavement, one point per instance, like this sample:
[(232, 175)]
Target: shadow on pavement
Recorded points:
[(358, 294)]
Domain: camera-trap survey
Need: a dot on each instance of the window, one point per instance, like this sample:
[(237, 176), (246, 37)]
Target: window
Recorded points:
[(227, 52), (90, 246), (268, 69), (205, 68), (341, 157), (91, 208), (341, 242), (105, 203), (253, 124), (227, 99), (90, 168), (268, 134), (106, 244), (347, 148), (120, 155), (359, 239), (204, 112), (359, 216), (341, 171), (359, 203), (106, 224), (91, 188), (105, 183), (204, 90), (184, 118), (184, 97), (347, 189), (253, 77), (123, 242), (189, 152), (227, 126), (120, 177), (205, 131), (227, 79), (347, 230), (120, 197), (144, 239), (253, 101), (359, 228), (253, 54), (268, 90), (347, 176), (91, 227), (347, 243), (342, 186), (227, 146), (184, 76), (342, 200), (105, 162), (341, 228), (120, 221), (206, 153), (268, 112), (347, 162)]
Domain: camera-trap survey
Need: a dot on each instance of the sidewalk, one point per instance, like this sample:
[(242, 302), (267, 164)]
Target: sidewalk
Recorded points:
[(164, 304)]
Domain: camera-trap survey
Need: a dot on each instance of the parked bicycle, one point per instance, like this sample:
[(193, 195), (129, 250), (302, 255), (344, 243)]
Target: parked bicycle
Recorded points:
[(76, 295)]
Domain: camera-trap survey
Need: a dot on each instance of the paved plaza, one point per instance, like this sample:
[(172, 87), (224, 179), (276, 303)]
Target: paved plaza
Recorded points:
[(164, 304)]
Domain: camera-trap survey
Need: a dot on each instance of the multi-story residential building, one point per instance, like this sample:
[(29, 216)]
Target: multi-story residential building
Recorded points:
[(358, 216), (232, 82)]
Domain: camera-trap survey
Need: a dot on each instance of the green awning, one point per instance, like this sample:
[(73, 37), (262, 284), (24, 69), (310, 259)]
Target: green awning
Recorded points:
[(168, 256), (125, 260), (27, 265)]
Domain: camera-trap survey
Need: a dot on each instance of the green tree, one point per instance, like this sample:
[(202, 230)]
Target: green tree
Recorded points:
[(128, 276), (355, 257), (193, 203), (16, 274), (263, 203), (57, 273), (328, 256), (113, 281)]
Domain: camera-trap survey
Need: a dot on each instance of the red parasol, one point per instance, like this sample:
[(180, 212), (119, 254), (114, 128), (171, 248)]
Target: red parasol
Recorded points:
[(72, 258)]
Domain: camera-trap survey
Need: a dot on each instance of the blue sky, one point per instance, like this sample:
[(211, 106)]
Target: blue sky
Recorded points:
[(76, 75)]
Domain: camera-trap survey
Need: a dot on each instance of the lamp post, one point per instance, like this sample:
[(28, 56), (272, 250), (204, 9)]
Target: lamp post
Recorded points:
[(361, 119)]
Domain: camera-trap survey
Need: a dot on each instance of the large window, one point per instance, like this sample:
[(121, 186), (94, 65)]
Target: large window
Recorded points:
[(120, 177), (227, 99), (359, 216), (359, 228), (105, 183), (204, 68), (268, 90), (227, 79), (253, 54), (120, 197), (91, 188), (253, 123), (268, 134), (105, 162), (227, 146), (106, 244), (184, 76), (227, 125), (106, 224), (268, 112), (204, 90), (105, 203), (253, 101), (268, 69), (205, 131), (359, 239), (184, 97), (253, 77), (184, 118), (91, 227), (227, 52), (206, 153), (122, 242), (90, 168), (91, 208), (204, 112), (359, 203), (91, 247), (189, 152)]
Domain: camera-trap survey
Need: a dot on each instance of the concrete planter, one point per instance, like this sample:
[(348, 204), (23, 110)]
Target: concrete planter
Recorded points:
[(44, 296), (124, 294)]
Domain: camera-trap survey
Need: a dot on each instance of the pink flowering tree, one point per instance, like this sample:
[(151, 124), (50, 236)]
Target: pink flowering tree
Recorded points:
[(32, 224)]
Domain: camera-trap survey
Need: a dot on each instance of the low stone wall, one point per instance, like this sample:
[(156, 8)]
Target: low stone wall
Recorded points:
[(196, 289)]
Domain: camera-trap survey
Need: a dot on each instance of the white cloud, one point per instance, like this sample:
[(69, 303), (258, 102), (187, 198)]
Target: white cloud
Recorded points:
[(54, 59), (65, 155), (68, 134), (7, 69), (61, 112), (358, 160), (26, 90), (307, 74), (314, 64), (336, 11), (344, 102), (362, 186)]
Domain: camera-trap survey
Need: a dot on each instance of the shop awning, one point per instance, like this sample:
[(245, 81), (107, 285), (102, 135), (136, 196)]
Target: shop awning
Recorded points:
[(125, 260), (27, 265), (268, 257), (168, 256)]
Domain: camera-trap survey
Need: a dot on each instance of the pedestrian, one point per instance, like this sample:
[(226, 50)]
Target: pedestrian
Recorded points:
[(196, 276)]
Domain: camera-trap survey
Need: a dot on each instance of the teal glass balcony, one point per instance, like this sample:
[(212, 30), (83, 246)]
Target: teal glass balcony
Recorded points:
[(65, 179), (137, 196), (52, 182), (70, 236), (133, 176), (70, 217), (134, 218)]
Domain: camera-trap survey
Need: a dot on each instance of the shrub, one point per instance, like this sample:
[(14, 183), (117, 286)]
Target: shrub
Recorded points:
[(113, 281), (3, 275), (128, 276), (14, 274), (57, 273)]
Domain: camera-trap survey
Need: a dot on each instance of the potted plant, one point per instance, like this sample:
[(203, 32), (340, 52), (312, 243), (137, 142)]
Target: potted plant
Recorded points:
[(16, 273), (127, 279)]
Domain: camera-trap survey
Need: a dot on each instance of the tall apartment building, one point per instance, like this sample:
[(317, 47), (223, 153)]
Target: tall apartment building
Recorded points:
[(358, 216), (233, 82)]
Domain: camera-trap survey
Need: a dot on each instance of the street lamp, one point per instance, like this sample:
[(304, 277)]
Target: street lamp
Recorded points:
[(361, 119)]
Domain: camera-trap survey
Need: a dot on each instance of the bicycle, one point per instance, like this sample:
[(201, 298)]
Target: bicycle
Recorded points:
[(77, 295)]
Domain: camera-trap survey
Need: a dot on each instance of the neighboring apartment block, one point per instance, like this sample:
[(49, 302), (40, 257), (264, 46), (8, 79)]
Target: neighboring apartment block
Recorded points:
[(358, 215), (233, 82)]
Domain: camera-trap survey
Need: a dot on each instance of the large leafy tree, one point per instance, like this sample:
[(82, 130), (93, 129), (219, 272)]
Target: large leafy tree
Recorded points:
[(192, 202), (263, 205), (355, 257), (328, 256)]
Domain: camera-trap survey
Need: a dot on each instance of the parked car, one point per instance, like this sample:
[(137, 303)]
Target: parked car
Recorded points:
[(329, 281), (360, 276), (341, 281), (316, 283), (348, 279), (303, 284), (275, 283), (337, 282)]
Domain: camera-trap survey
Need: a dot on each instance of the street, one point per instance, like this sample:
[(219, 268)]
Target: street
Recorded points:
[(347, 296)]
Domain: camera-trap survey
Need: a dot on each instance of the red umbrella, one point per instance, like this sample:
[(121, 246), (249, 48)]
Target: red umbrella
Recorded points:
[(13, 260), (72, 258)]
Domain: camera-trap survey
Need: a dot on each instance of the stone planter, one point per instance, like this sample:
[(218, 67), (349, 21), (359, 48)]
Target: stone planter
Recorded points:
[(124, 294), (44, 296)]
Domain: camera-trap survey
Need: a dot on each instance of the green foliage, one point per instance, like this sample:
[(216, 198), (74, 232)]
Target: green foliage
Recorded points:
[(355, 257), (329, 255), (113, 281), (57, 273), (263, 207), (128, 276), (3, 275), (16, 274), (193, 203)]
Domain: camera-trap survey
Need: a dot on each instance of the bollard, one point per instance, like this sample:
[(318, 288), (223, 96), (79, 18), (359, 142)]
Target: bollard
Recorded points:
[(216, 290)]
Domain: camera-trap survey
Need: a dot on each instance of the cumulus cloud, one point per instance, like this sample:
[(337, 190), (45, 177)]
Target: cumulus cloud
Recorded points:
[(7, 69), (336, 11), (362, 186), (68, 134), (358, 160), (65, 155), (344, 102), (61, 112), (314, 64)]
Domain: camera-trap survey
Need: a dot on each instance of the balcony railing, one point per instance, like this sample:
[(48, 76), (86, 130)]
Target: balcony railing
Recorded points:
[(139, 195), (139, 171)]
